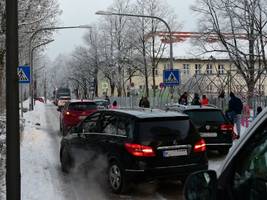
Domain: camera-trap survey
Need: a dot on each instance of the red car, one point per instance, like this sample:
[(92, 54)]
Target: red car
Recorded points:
[(75, 111)]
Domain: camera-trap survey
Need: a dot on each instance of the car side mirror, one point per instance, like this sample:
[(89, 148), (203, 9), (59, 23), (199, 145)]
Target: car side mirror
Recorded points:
[(201, 185)]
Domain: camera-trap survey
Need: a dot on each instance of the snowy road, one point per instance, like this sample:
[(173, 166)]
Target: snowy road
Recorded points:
[(42, 178)]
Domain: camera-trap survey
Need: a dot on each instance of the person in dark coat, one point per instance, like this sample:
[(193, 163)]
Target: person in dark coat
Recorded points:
[(145, 103), (141, 102), (235, 107), (196, 100), (183, 99)]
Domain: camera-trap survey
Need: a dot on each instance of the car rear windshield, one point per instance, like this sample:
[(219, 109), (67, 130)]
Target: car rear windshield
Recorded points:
[(161, 128), (201, 117), (80, 106)]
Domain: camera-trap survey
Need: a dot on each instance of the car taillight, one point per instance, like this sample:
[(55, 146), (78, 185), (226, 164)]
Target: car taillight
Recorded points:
[(200, 146), (139, 150), (227, 127)]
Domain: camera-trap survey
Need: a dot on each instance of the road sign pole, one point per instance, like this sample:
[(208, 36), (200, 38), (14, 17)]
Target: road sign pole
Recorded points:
[(12, 103)]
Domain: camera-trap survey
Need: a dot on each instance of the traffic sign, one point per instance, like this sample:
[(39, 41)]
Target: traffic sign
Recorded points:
[(171, 77), (24, 74)]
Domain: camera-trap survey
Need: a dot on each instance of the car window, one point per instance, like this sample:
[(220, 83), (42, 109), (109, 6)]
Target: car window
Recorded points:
[(81, 106), (201, 117), (109, 124), (91, 124), (250, 175), (125, 127), (157, 129)]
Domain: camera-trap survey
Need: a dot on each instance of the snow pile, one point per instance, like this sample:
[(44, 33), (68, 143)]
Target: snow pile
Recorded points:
[(2, 156)]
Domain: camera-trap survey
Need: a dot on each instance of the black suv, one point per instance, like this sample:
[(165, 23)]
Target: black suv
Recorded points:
[(212, 125), (243, 174), (138, 145)]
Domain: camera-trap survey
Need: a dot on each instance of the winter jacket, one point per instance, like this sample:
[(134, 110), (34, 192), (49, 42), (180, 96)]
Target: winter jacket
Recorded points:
[(204, 101), (195, 101), (183, 100), (236, 105)]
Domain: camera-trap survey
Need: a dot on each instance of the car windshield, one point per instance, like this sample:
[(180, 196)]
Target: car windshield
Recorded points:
[(201, 117), (81, 106), (158, 129)]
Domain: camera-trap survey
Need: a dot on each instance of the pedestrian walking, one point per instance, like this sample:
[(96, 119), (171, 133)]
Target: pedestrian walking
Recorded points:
[(183, 99), (196, 100), (259, 109), (141, 102), (235, 107), (145, 103), (114, 105), (204, 101)]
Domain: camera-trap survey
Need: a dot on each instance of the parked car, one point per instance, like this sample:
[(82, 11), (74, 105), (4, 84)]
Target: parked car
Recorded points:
[(40, 99), (139, 145), (62, 100), (243, 174), (101, 103), (212, 125), (74, 112)]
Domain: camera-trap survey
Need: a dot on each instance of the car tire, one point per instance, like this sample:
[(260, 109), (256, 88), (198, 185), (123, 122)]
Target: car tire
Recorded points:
[(116, 178), (223, 151), (66, 160)]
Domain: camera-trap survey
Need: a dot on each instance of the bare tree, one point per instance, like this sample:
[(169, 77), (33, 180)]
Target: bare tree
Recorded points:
[(32, 15), (147, 43), (240, 29)]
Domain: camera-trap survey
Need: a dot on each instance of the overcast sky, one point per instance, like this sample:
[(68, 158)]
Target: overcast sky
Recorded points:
[(78, 12)]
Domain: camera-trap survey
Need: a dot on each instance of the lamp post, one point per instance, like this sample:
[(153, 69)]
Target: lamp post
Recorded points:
[(30, 51), (145, 16), (32, 64)]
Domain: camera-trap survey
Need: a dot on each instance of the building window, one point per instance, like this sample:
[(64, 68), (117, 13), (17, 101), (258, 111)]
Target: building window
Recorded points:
[(197, 68), (209, 69), (167, 66), (221, 69), (209, 88), (186, 69)]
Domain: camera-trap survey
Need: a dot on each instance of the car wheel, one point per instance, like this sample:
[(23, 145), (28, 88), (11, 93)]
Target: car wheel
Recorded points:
[(116, 178), (223, 151), (66, 160)]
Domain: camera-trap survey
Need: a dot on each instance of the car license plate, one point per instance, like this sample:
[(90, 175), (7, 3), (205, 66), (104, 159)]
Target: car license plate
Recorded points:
[(177, 152), (208, 134), (82, 117)]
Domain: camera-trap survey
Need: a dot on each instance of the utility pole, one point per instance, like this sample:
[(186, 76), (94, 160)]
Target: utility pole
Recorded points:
[(12, 103)]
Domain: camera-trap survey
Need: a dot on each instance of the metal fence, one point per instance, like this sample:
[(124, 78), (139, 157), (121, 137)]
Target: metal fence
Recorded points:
[(161, 102)]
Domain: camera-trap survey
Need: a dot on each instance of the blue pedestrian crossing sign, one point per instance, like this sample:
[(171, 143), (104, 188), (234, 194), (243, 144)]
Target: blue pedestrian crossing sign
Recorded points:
[(24, 74), (171, 77)]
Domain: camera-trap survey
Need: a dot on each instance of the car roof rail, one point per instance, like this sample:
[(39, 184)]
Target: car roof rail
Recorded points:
[(212, 106), (139, 109)]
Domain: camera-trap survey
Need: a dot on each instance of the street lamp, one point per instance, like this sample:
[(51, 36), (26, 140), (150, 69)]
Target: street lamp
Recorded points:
[(152, 17), (32, 63), (144, 16), (30, 50)]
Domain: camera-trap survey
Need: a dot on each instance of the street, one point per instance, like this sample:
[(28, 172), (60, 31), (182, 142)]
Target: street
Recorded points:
[(42, 177)]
